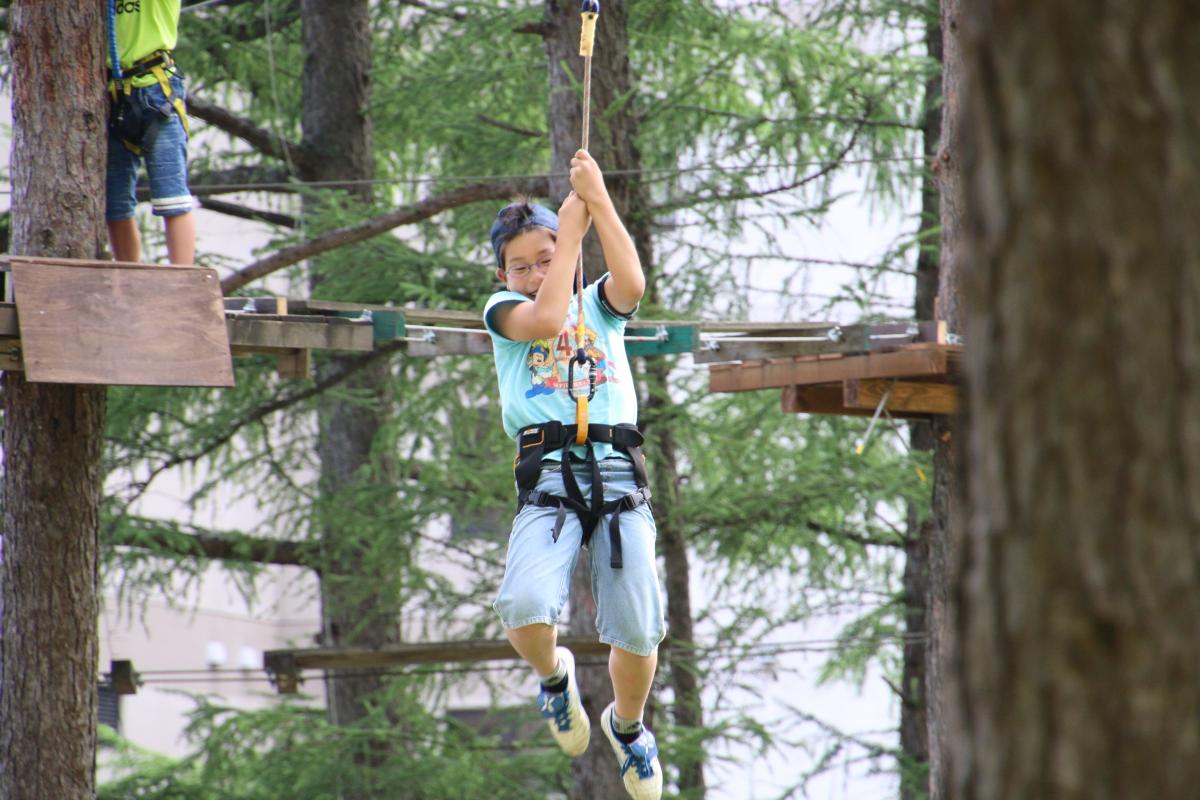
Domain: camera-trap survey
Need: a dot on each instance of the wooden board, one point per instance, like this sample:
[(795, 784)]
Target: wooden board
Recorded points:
[(827, 399), (265, 332), (846, 339), (913, 361), (910, 396), (132, 325)]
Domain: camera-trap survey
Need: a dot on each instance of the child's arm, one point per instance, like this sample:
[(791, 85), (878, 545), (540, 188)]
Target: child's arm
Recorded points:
[(543, 317), (626, 283)]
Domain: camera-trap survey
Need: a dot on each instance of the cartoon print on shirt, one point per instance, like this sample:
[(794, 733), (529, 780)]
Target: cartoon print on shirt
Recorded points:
[(549, 364), (542, 369)]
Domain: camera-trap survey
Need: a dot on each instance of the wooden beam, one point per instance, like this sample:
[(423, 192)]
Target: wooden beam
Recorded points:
[(911, 396), (284, 666), (448, 343), (294, 364), (263, 332), (831, 339), (914, 361), (827, 399)]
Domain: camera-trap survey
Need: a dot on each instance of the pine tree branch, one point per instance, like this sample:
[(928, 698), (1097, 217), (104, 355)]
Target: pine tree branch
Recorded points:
[(245, 212), (261, 139), (725, 197), (459, 14), (506, 126), (234, 179), (148, 534), (406, 215)]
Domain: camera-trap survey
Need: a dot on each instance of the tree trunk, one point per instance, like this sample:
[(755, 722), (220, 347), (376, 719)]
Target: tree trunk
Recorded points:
[(613, 144), (337, 132), (53, 435), (1078, 616), (914, 707), (944, 541)]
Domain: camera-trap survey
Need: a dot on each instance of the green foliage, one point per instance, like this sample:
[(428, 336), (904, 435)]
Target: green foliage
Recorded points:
[(289, 750)]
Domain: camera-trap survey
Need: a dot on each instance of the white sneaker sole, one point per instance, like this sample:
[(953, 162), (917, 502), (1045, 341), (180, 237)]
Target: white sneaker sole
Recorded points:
[(638, 788)]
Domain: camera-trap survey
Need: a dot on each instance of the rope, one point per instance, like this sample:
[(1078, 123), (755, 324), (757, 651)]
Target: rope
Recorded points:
[(588, 12), (113, 54)]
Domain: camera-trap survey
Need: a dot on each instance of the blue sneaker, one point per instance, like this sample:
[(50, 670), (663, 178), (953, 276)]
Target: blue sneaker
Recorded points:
[(564, 711), (639, 761)]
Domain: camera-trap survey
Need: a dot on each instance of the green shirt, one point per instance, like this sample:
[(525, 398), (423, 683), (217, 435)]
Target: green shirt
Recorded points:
[(144, 26)]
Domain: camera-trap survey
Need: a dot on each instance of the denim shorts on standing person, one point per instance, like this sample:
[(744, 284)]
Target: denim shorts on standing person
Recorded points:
[(537, 571), (150, 122)]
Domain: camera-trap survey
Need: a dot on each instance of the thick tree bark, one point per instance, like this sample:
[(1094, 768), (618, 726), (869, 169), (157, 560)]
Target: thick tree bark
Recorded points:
[(613, 146), (52, 434), (1078, 616), (914, 707), (945, 535), (337, 134)]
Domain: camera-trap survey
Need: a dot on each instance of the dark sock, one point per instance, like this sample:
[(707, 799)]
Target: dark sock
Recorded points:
[(557, 687), (626, 730)]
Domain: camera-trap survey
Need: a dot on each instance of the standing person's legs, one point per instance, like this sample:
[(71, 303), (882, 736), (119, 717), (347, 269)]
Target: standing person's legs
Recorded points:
[(121, 201), (166, 162)]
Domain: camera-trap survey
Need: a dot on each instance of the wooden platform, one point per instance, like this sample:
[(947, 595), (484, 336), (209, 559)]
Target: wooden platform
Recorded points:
[(110, 323), (918, 380), (284, 666), (102, 322)]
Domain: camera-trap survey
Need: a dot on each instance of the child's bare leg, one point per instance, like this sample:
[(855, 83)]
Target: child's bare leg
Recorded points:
[(181, 238), (535, 643), (631, 678), (124, 239)]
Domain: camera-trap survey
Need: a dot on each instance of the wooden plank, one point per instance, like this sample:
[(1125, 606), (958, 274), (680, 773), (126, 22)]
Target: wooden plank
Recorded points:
[(117, 325), (294, 364), (923, 360), (444, 343), (466, 651), (849, 339), (827, 399), (257, 305), (912, 396), (252, 332), (7, 262), (8, 322)]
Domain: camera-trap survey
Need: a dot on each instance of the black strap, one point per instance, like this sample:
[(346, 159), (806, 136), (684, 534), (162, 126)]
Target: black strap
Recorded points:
[(614, 507), (536, 441)]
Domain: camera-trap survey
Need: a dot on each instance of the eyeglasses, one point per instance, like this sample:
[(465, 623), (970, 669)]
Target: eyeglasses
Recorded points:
[(521, 270)]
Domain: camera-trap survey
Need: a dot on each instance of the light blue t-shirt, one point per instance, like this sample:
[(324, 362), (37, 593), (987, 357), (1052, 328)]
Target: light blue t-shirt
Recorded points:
[(533, 375)]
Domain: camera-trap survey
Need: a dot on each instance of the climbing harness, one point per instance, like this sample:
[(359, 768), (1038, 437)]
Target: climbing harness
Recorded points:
[(120, 84), (589, 11), (537, 441)]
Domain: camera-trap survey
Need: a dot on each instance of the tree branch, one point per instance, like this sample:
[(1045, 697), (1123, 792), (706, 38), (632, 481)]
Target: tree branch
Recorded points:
[(245, 212), (453, 13), (235, 179), (406, 215), (147, 534), (506, 126), (261, 139)]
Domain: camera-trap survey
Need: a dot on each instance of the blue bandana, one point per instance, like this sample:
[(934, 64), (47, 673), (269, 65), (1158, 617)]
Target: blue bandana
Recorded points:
[(514, 219)]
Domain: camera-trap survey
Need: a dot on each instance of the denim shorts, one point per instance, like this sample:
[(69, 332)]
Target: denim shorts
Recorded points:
[(537, 571), (150, 122)]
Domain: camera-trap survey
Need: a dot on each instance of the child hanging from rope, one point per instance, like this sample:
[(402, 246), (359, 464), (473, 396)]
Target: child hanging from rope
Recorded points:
[(148, 121), (571, 495)]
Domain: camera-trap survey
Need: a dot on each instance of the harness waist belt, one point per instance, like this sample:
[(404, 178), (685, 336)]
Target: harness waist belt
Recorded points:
[(535, 441)]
